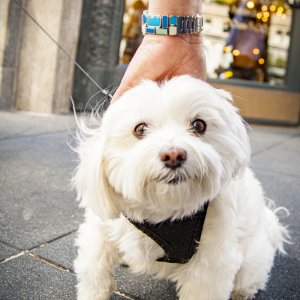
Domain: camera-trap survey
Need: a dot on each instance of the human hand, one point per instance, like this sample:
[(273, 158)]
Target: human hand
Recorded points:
[(163, 57)]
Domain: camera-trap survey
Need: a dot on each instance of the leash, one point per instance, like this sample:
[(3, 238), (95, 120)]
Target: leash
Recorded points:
[(102, 90)]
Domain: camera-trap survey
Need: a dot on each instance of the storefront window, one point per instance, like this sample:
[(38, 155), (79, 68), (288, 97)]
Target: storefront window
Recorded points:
[(132, 34), (243, 39), (247, 39)]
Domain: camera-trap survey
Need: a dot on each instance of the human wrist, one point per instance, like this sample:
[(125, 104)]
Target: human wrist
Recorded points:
[(177, 17), (193, 42), (174, 7)]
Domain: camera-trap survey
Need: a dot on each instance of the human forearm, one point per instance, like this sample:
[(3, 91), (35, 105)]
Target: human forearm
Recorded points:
[(175, 7), (156, 59)]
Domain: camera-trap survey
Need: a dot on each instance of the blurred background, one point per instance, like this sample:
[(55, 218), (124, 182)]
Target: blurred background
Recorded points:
[(252, 49)]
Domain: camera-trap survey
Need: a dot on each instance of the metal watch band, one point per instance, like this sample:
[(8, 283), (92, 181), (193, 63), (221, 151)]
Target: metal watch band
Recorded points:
[(171, 25)]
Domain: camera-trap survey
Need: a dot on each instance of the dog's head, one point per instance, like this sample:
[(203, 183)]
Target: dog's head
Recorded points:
[(162, 150)]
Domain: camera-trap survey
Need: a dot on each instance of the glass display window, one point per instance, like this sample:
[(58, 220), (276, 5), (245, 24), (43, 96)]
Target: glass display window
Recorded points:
[(243, 39)]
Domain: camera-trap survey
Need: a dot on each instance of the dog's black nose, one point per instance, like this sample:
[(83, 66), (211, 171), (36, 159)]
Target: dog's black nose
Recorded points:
[(173, 157)]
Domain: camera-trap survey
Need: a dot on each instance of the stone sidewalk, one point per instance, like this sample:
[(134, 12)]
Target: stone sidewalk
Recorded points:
[(39, 216)]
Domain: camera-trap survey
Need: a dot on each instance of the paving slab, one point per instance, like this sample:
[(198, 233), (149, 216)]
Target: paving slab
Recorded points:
[(144, 287), (284, 276), (36, 200), (283, 158), (7, 251), (284, 281), (39, 209), (284, 190), (18, 123), (264, 137), (62, 251), (119, 296), (28, 278)]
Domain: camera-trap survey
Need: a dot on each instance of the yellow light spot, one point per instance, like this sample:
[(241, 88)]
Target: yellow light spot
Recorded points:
[(236, 52), (280, 9), (265, 19), (264, 8), (272, 8), (255, 51), (250, 4), (261, 61), (266, 14), (228, 74), (259, 15), (227, 48)]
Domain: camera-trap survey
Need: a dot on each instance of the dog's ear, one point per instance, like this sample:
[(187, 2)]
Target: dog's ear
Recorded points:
[(239, 139), (90, 181), (224, 94)]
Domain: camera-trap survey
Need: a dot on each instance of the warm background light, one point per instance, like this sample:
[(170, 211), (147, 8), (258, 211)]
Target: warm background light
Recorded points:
[(250, 4), (255, 51), (227, 48), (265, 19), (236, 52), (280, 9), (264, 8)]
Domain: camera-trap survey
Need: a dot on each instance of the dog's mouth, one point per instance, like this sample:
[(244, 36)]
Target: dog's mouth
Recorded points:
[(173, 179), (176, 180)]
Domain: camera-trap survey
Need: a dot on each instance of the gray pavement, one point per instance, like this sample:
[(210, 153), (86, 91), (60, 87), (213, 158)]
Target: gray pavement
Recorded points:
[(39, 216)]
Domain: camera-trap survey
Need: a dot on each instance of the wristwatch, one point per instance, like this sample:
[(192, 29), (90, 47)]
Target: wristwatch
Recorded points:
[(171, 25)]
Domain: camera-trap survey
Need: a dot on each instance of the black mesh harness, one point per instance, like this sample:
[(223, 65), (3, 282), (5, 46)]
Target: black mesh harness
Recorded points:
[(178, 238)]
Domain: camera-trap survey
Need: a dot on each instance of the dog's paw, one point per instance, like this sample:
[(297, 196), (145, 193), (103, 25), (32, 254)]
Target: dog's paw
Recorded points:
[(94, 293), (242, 295)]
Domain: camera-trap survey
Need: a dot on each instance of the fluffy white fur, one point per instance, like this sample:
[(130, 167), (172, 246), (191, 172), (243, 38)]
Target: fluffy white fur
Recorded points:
[(119, 173)]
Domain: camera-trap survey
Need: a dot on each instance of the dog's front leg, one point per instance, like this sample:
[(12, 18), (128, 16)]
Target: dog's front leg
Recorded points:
[(196, 288), (95, 263), (202, 280)]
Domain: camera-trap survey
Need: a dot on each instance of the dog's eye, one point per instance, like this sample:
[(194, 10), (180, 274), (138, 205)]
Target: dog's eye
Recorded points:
[(198, 126), (140, 130)]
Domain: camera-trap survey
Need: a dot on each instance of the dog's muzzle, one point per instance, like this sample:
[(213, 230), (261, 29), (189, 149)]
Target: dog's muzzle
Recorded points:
[(173, 159)]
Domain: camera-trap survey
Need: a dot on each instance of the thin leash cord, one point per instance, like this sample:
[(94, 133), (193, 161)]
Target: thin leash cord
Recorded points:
[(103, 91)]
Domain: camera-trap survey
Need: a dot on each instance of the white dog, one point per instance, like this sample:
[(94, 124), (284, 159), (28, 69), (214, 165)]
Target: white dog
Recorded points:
[(157, 156)]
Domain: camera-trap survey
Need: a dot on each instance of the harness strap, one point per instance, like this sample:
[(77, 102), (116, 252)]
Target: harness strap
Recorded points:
[(178, 238)]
